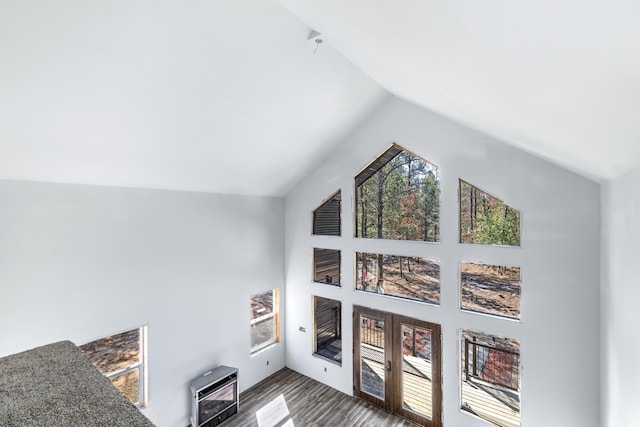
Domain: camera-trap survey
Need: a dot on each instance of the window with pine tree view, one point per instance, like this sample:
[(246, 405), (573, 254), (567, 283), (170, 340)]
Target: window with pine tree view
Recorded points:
[(398, 197), (490, 289), (399, 276), (485, 219), (121, 358)]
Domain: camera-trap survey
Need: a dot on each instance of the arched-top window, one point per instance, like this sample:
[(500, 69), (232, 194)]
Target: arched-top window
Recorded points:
[(398, 197)]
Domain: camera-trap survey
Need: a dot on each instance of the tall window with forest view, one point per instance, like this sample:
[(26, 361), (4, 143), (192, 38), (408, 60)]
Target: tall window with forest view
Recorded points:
[(398, 197), (485, 219)]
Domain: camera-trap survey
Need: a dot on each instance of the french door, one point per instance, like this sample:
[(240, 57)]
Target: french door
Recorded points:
[(397, 364)]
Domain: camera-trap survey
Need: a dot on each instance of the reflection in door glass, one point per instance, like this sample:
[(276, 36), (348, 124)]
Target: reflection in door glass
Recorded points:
[(372, 356), (417, 390)]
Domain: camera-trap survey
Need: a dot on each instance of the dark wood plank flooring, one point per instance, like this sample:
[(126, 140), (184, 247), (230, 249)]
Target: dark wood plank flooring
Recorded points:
[(312, 404)]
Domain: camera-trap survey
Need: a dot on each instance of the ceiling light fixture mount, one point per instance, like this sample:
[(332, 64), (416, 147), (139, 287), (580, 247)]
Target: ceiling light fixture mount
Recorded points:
[(315, 39)]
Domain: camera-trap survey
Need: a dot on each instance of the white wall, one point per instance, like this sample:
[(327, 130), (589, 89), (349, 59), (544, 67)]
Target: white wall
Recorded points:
[(82, 262), (559, 257), (620, 298)]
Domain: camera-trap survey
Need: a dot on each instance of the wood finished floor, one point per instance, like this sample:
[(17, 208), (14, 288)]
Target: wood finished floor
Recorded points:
[(312, 404)]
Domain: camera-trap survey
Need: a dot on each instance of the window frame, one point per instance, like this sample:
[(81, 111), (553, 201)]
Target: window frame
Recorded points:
[(375, 166), (358, 285), (338, 325), (320, 217), (140, 365), (485, 194), (321, 256), (487, 312), (275, 314), (500, 344)]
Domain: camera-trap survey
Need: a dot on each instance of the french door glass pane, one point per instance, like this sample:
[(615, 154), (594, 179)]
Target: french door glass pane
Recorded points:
[(372, 356), (417, 388)]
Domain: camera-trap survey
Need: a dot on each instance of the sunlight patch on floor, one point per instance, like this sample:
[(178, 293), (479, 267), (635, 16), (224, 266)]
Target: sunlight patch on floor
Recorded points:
[(273, 413)]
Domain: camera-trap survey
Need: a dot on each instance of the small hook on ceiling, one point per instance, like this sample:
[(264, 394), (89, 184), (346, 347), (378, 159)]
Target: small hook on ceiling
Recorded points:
[(316, 39)]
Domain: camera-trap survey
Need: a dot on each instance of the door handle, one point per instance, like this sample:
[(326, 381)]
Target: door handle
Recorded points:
[(388, 365)]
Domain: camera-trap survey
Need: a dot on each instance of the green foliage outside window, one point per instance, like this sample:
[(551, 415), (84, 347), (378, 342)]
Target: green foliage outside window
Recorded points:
[(399, 199), (485, 219)]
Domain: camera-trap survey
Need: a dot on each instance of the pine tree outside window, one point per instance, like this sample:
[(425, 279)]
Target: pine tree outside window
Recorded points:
[(485, 219), (398, 197)]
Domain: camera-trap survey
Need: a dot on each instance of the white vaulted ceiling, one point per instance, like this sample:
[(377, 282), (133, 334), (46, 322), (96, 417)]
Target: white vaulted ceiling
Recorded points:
[(227, 95), (560, 79), (219, 96)]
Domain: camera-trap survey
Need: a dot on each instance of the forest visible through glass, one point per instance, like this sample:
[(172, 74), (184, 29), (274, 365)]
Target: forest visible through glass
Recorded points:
[(486, 219), (400, 200), (405, 277)]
